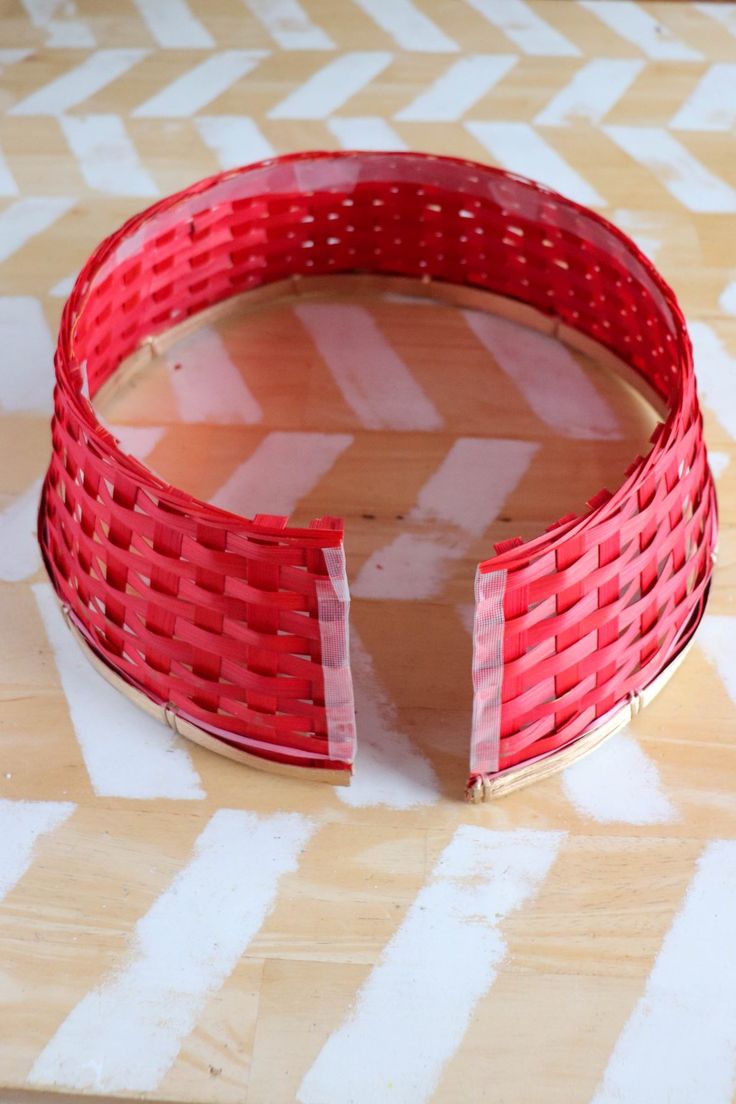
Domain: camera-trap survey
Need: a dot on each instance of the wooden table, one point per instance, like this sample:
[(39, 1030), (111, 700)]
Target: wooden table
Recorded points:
[(176, 927)]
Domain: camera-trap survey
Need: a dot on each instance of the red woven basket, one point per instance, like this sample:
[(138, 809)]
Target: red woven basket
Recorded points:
[(234, 630)]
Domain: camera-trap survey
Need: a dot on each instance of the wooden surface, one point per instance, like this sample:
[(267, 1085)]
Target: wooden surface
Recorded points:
[(178, 927)]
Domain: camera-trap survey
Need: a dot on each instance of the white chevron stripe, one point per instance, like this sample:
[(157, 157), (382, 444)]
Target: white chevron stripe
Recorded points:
[(518, 147), (19, 557), (455, 92), (107, 157), (373, 379), (27, 373), (679, 1044), (126, 752), (138, 441), (548, 376), (715, 367), (525, 27), (637, 26), (282, 471), (78, 84), (392, 772), (27, 217), (719, 462), (290, 25), (173, 24), (124, 1035), (63, 289), (727, 298), (193, 382), (641, 226), (724, 13), (22, 823), (712, 104), (332, 86), (11, 57), (618, 784), (454, 507), (466, 613), (198, 87), (366, 132), (717, 638), (235, 139), (446, 955), (63, 34), (675, 167), (592, 92), (8, 186), (409, 27)]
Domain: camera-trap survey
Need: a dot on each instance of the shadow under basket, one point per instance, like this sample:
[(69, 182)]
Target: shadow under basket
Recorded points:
[(234, 630)]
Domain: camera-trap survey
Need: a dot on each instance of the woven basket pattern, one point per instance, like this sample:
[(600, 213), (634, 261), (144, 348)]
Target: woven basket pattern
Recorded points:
[(218, 616)]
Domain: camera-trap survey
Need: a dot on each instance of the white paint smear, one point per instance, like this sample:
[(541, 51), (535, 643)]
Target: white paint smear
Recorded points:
[(637, 26), (454, 507), (61, 34), (595, 89), (207, 384), (518, 148), (333, 85), (198, 87), (138, 441), (547, 374), (466, 613), (717, 637), (19, 555), (125, 1034), (408, 26), (390, 770), (712, 104), (71, 88), (126, 752), (290, 25), (718, 461), (461, 86), (373, 378), (173, 24), (618, 784), (64, 287), (715, 369), (235, 139), (25, 218), (645, 227), (522, 24), (724, 13), (27, 366), (679, 1044), (22, 823), (282, 471), (366, 132), (107, 158), (675, 168), (412, 1013)]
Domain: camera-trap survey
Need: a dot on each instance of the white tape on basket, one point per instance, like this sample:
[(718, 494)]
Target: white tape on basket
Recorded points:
[(333, 603), (487, 671)]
